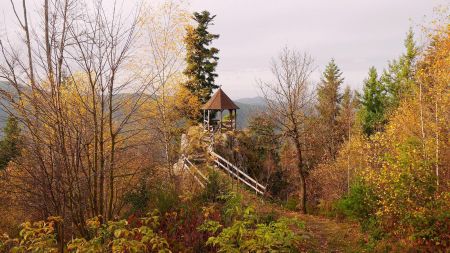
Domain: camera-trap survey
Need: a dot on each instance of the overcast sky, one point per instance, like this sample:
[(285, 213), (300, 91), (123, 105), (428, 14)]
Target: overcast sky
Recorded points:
[(356, 33)]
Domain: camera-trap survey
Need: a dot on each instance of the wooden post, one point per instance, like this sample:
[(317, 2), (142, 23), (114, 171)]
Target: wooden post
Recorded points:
[(231, 118), (220, 121), (235, 119), (208, 120)]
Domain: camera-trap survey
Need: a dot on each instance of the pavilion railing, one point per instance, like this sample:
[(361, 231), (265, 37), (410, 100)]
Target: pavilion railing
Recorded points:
[(214, 125)]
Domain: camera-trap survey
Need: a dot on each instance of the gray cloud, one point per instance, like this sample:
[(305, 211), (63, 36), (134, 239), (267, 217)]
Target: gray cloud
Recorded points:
[(357, 33)]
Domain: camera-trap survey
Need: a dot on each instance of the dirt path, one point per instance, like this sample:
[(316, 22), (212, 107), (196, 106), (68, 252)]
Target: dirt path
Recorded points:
[(323, 234), (331, 236)]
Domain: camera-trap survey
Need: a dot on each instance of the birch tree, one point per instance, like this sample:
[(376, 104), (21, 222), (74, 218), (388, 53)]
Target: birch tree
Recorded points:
[(68, 91)]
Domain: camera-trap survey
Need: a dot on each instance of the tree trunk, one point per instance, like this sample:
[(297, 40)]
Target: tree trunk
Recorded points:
[(302, 190), (437, 139)]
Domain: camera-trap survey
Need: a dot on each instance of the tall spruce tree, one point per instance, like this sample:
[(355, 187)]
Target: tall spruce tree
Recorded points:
[(9, 145), (329, 99), (373, 104), (398, 78), (201, 58)]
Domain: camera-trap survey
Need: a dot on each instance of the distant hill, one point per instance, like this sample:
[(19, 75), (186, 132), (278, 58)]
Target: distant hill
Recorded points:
[(259, 101), (3, 113), (248, 107)]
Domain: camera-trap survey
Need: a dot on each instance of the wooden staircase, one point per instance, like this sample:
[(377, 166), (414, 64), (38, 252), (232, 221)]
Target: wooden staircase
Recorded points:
[(236, 173), (230, 169)]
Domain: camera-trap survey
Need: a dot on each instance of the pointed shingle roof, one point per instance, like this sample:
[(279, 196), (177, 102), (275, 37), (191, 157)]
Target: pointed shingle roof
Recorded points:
[(220, 101)]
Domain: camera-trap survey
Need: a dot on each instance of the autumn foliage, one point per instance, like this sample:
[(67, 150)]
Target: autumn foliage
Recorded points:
[(103, 109), (398, 177)]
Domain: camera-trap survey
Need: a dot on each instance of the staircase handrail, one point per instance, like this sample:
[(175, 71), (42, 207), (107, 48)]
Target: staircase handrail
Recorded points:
[(218, 162), (263, 188), (196, 169), (186, 166)]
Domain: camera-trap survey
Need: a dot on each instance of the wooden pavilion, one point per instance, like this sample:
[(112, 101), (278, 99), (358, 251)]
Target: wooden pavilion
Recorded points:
[(219, 102)]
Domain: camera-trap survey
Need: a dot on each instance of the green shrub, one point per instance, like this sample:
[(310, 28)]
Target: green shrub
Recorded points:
[(425, 227), (37, 236), (120, 236), (360, 204), (114, 236), (215, 187), (138, 199), (143, 198), (232, 209), (10, 143), (247, 235), (431, 228), (242, 230), (164, 199), (291, 204)]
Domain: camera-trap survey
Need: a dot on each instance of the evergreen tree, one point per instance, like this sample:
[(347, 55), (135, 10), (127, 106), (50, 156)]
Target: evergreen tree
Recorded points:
[(373, 104), (201, 58), (329, 99), (399, 77), (9, 145)]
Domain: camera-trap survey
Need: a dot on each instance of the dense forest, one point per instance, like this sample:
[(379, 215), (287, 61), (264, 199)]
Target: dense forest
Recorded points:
[(104, 109)]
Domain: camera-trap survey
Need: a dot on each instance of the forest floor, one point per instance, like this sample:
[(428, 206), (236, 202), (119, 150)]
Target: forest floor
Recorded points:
[(322, 234)]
